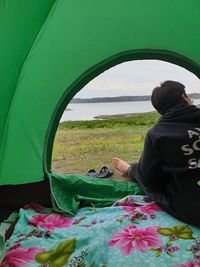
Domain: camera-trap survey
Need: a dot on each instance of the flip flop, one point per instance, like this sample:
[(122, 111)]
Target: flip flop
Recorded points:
[(92, 173), (105, 172)]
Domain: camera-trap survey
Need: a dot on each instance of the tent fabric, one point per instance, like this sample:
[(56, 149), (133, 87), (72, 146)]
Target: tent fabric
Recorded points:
[(50, 49)]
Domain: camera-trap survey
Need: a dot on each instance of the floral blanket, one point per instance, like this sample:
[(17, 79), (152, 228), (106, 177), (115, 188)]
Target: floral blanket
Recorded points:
[(130, 233)]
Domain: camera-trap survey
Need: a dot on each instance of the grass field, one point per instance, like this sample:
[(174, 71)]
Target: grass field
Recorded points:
[(83, 145)]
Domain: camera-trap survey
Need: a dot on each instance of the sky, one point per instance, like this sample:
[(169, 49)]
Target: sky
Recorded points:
[(138, 77)]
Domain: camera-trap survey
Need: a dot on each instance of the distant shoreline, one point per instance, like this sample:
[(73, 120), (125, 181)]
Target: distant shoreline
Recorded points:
[(110, 99), (120, 99)]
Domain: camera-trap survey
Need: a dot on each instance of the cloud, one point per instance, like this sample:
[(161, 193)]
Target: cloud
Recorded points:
[(138, 77)]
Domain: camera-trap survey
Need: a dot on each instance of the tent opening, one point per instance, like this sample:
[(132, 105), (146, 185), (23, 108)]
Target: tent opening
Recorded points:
[(110, 115)]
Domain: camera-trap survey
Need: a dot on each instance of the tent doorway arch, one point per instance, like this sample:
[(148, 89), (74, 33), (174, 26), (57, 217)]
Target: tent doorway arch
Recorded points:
[(45, 61), (93, 72)]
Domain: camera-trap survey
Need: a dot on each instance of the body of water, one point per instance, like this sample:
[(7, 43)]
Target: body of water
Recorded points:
[(87, 111)]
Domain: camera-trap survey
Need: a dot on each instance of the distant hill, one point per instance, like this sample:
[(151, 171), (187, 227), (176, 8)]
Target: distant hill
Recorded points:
[(121, 99)]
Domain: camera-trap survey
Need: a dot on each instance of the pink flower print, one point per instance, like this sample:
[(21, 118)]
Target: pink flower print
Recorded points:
[(188, 264), (20, 257), (146, 209), (50, 221), (150, 208), (133, 238), (197, 258), (126, 202), (129, 208)]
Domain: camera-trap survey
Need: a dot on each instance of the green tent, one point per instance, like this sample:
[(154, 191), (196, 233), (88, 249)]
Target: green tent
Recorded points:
[(50, 49)]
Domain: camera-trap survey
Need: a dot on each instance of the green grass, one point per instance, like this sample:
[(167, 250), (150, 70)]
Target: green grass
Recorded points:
[(142, 119), (83, 145)]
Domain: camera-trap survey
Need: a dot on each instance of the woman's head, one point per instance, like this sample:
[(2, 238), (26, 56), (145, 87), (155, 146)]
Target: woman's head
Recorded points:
[(168, 95)]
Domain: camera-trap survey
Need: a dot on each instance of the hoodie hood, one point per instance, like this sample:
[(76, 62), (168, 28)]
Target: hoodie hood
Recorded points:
[(182, 113)]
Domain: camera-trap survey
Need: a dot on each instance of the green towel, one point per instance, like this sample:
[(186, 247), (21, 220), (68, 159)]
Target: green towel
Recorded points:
[(70, 192)]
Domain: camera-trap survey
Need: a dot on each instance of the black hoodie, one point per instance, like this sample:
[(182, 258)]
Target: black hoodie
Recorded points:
[(169, 168)]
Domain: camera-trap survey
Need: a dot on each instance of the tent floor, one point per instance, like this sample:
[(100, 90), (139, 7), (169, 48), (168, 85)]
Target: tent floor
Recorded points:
[(13, 197)]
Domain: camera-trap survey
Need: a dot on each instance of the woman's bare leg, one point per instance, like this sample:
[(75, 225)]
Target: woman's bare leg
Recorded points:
[(120, 165)]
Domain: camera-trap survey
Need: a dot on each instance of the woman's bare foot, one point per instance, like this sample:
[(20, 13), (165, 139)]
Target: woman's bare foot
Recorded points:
[(120, 165)]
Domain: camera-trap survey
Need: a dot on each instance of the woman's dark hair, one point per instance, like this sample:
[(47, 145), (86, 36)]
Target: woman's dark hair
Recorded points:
[(167, 95)]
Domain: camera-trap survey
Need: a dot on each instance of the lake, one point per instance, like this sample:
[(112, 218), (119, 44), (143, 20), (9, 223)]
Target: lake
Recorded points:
[(87, 111)]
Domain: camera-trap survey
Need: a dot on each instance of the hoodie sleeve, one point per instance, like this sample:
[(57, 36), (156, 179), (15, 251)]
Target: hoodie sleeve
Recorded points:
[(148, 172)]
